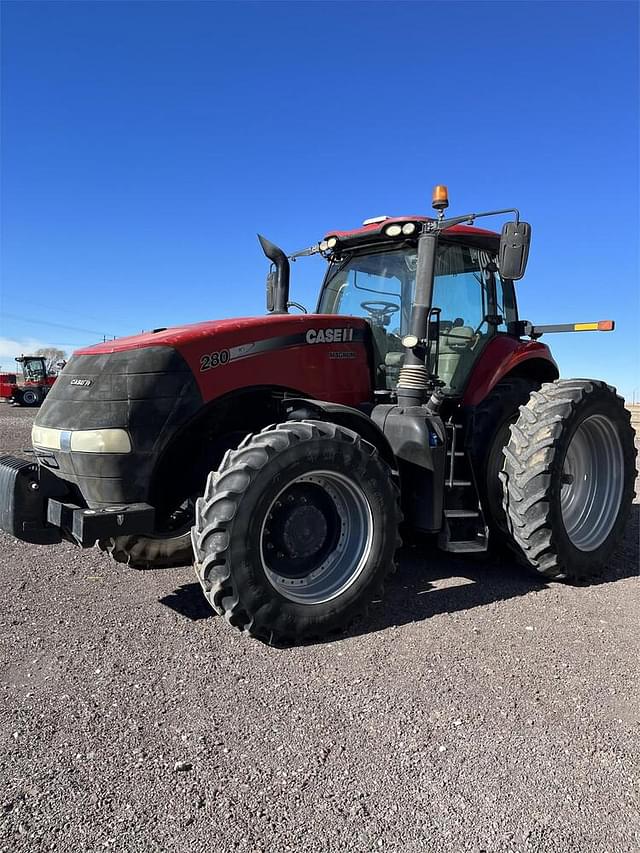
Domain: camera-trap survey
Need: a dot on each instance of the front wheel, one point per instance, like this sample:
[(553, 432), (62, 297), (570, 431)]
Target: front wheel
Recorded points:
[(568, 478), (167, 548), (149, 552), (296, 531)]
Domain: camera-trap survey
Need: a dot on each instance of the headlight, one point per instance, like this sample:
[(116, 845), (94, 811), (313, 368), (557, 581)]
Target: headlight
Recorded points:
[(82, 440), (393, 230), (101, 441), (45, 437), (409, 228), (410, 341)]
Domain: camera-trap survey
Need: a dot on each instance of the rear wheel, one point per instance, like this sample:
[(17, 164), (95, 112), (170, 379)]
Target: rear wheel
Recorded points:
[(30, 397), (568, 478), (490, 433), (296, 531)]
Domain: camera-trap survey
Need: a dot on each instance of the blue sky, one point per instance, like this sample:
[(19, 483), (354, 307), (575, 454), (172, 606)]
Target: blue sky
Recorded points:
[(144, 144)]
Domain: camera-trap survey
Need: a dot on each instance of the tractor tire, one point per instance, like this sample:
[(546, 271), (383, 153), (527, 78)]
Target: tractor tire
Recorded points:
[(332, 510), (489, 435), (149, 552), (569, 477), (30, 398)]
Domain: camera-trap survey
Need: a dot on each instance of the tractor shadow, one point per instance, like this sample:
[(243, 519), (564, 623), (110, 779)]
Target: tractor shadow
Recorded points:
[(188, 601), (428, 582)]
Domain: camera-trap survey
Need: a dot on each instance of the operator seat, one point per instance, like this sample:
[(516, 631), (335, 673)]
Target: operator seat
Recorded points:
[(455, 347)]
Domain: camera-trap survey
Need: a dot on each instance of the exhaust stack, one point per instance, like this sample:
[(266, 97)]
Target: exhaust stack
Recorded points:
[(278, 279)]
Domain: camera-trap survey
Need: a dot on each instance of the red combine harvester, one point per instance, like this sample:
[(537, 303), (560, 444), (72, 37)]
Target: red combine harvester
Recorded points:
[(284, 454), (30, 386)]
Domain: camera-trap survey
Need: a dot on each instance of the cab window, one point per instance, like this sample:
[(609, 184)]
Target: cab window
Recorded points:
[(380, 286), (377, 287)]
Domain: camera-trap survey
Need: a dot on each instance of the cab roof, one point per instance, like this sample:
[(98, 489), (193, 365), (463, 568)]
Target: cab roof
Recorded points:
[(479, 236)]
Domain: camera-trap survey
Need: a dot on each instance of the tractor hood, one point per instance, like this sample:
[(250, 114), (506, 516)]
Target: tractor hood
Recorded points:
[(153, 384), (224, 355), (229, 332)]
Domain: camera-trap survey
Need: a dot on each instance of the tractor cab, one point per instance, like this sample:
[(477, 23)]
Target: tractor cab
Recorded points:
[(471, 302), (31, 384), (34, 370), (407, 276)]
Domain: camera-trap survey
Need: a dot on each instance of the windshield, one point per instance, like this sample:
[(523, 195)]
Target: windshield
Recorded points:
[(379, 287), (32, 369)]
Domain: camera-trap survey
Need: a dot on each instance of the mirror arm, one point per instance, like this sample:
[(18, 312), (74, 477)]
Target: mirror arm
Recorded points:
[(304, 253), (443, 224)]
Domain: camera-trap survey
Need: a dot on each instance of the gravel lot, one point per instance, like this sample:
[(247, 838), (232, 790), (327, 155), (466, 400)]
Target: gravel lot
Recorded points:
[(475, 710)]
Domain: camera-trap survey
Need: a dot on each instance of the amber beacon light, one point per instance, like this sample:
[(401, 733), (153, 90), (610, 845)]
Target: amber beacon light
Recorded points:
[(440, 200)]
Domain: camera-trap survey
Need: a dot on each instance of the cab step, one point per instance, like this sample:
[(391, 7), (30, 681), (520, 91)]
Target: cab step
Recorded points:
[(464, 530), (466, 547)]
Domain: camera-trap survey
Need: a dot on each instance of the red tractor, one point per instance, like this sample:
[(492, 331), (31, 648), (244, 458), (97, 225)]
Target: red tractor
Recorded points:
[(31, 386), (284, 454)]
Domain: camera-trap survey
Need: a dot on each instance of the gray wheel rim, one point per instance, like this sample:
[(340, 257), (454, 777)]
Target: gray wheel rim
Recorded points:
[(345, 563), (593, 483), (29, 397)]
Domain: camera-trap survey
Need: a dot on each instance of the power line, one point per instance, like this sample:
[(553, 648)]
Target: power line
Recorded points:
[(64, 310), (57, 325)]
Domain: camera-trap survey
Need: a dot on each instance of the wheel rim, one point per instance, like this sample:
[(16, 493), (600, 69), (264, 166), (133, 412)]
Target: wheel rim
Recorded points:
[(29, 397), (316, 537), (592, 483)]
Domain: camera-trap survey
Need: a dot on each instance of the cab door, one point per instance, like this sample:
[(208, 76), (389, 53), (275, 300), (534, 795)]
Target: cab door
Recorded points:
[(463, 291)]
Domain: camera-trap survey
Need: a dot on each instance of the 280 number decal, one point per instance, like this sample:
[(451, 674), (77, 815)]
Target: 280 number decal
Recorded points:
[(214, 359)]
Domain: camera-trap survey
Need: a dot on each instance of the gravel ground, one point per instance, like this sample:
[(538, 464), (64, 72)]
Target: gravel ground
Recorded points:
[(474, 710)]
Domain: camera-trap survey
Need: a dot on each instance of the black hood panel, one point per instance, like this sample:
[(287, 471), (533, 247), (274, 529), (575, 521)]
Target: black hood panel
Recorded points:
[(150, 392)]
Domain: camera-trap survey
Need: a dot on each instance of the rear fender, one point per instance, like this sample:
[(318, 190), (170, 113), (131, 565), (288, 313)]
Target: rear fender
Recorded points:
[(507, 356)]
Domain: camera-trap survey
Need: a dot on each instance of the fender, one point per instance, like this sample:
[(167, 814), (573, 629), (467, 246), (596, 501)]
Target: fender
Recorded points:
[(505, 355), (302, 408), (420, 465)]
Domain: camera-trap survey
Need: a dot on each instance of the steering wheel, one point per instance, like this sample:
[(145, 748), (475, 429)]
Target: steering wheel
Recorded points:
[(380, 312)]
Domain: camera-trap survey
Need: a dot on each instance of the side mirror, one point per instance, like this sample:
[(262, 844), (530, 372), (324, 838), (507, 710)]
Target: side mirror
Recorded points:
[(514, 249)]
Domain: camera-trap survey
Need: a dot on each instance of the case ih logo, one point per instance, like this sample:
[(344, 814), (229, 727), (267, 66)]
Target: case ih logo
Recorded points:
[(83, 383), (329, 336)]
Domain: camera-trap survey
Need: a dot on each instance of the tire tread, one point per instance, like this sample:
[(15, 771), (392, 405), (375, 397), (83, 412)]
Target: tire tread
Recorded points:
[(527, 474), (211, 536)]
